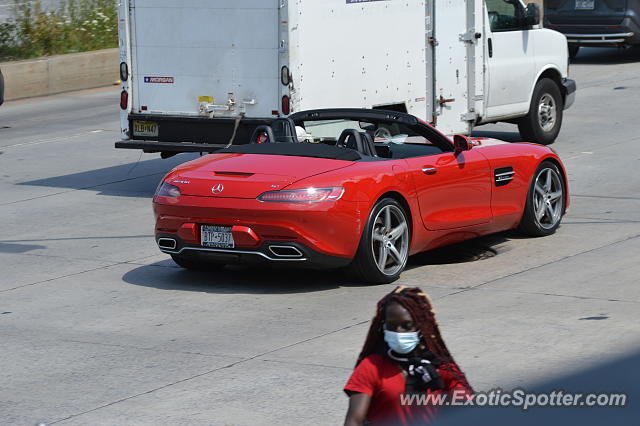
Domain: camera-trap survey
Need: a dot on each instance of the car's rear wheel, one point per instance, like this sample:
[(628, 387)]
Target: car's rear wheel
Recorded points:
[(194, 263), (545, 202), (384, 247)]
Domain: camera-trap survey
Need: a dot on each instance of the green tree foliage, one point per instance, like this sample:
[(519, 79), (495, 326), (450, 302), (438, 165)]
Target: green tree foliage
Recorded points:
[(75, 26)]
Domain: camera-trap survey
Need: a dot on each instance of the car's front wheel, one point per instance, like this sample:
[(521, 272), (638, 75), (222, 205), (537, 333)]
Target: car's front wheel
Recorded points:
[(545, 202), (544, 120), (384, 246)]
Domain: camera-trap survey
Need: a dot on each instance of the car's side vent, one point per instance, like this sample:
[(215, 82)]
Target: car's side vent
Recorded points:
[(503, 175)]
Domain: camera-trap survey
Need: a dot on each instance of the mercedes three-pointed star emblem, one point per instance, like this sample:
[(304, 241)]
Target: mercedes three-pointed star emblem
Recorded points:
[(217, 189)]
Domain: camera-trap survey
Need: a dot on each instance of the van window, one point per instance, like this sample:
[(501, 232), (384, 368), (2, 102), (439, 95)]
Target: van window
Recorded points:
[(503, 15)]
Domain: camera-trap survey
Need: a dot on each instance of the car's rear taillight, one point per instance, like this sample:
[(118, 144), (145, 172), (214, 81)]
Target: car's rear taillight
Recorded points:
[(167, 190), (286, 107), (309, 195), (124, 99)]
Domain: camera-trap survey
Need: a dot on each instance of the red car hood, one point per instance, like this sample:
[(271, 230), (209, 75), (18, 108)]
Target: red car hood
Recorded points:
[(246, 175)]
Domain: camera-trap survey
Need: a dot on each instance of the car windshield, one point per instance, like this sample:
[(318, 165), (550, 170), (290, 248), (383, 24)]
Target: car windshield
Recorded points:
[(324, 131)]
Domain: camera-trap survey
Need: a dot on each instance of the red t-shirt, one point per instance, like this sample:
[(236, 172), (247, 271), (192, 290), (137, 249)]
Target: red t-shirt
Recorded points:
[(382, 379)]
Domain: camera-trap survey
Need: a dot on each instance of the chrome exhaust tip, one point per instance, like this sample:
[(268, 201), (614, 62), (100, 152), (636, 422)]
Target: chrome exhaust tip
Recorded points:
[(288, 252), (167, 243)]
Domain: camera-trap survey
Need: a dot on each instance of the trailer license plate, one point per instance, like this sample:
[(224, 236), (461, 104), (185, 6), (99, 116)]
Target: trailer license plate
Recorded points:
[(145, 128), (216, 236), (585, 4)]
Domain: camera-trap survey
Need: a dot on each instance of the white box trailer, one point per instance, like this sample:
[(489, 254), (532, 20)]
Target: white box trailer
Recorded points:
[(198, 73)]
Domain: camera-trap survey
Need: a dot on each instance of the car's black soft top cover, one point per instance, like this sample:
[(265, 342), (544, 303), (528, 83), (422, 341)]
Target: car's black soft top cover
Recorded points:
[(302, 149)]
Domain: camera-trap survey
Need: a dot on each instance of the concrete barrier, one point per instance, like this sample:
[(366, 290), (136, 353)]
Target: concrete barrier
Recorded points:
[(62, 73)]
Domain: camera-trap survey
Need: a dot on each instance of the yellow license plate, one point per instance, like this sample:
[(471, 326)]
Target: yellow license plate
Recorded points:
[(145, 128)]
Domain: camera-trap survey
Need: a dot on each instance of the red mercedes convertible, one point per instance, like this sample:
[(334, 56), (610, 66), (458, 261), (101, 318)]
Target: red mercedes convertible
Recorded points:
[(362, 189)]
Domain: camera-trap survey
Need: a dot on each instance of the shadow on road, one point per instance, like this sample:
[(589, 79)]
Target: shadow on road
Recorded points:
[(240, 279), (468, 251), (236, 279), (606, 56), (13, 248), (617, 375), (138, 179)]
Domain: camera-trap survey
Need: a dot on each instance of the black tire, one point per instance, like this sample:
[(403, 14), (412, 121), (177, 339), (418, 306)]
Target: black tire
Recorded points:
[(192, 262), (573, 50), (365, 267), (534, 127), (533, 226)]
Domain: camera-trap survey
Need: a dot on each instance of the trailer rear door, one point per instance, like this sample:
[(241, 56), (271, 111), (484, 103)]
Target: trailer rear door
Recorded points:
[(458, 59), (189, 52), (358, 54)]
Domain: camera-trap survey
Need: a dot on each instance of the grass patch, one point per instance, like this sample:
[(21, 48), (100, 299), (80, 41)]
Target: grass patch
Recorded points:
[(75, 26)]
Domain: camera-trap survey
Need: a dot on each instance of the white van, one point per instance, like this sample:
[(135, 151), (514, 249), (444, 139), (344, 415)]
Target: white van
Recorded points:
[(197, 74)]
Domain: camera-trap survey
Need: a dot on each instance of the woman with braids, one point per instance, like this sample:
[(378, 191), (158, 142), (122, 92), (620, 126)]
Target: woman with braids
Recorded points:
[(404, 354)]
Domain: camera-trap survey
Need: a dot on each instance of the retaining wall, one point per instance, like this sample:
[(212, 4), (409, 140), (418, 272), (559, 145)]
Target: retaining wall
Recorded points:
[(62, 73)]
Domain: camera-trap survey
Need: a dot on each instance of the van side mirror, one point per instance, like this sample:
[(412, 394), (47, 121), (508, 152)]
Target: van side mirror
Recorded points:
[(461, 144), (532, 15)]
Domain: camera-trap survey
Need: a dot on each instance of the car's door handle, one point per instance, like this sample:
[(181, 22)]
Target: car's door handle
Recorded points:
[(429, 170)]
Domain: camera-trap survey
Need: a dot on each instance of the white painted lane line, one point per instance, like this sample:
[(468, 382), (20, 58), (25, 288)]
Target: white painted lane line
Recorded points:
[(54, 140)]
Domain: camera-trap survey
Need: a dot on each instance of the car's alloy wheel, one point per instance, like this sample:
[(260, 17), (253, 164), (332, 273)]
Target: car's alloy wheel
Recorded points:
[(390, 240), (547, 198), (384, 246), (545, 201)]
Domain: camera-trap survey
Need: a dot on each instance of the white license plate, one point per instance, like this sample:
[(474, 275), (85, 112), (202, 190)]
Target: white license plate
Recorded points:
[(216, 236), (145, 128), (585, 4)]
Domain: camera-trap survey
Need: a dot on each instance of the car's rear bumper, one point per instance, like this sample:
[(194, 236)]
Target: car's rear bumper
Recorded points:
[(285, 253), (599, 39), (320, 231), (625, 33)]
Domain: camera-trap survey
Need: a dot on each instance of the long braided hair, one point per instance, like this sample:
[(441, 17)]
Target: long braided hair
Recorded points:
[(420, 307)]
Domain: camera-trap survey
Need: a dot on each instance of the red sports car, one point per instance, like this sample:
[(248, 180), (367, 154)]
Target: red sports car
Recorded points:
[(350, 187)]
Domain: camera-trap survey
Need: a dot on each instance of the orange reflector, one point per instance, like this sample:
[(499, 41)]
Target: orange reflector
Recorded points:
[(124, 99), (285, 105)]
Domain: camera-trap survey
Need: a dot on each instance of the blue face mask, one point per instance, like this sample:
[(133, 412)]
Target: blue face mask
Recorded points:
[(402, 343)]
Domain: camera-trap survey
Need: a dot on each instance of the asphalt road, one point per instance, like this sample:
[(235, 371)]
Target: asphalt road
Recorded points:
[(98, 327)]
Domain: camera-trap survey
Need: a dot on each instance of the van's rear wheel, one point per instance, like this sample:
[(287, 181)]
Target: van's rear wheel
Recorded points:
[(544, 120)]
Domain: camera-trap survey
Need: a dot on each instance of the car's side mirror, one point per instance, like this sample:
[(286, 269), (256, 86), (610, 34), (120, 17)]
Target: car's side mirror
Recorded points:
[(461, 144), (532, 15)]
